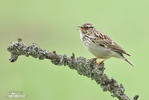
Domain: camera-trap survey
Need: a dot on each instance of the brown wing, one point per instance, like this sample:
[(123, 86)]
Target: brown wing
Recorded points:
[(109, 43)]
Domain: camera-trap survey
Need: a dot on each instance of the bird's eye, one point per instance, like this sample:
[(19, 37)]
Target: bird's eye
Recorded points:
[(86, 27)]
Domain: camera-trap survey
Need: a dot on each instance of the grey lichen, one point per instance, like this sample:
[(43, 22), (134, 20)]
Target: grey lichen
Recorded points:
[(84, 67)]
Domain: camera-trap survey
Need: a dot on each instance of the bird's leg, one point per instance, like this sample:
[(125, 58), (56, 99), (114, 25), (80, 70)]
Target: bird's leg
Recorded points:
[(94, 58), (100, 62)]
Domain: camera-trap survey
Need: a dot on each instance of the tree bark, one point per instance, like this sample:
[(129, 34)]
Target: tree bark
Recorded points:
[(84, 67)]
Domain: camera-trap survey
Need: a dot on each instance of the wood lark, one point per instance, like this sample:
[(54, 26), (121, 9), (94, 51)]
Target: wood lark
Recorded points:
[(100, 45)]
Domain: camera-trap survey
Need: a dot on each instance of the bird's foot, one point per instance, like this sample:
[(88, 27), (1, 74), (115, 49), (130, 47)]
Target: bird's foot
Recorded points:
[(94, 58), (100, 62)]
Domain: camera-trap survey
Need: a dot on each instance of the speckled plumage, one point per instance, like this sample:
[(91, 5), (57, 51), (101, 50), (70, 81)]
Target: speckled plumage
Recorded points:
[(99, 44)]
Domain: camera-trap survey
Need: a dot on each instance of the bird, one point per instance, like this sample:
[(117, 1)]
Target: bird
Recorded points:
[(101, 45)]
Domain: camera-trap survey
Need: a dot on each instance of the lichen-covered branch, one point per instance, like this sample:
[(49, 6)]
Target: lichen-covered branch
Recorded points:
[(84, 67)]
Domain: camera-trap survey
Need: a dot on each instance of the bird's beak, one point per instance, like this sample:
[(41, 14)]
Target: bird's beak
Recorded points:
[(79, 28)]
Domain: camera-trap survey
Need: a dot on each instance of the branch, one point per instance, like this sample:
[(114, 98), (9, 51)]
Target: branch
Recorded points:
[(84, 67)]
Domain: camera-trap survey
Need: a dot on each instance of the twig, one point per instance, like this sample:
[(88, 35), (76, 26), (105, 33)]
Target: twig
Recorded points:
[(84, 67)]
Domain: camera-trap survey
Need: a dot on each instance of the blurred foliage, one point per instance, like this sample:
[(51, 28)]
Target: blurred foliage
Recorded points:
[(52, 24)]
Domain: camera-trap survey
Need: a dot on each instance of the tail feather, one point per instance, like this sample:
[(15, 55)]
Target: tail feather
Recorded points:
[(127, 54), (128, 62)]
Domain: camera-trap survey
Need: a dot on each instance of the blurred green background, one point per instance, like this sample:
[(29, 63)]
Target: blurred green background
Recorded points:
[(52, 25)]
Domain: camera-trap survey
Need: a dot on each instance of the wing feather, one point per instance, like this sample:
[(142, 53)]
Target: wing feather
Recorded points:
[(109, 43)]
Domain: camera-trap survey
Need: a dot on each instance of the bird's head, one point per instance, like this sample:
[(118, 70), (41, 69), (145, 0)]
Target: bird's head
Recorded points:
[(86, 28)]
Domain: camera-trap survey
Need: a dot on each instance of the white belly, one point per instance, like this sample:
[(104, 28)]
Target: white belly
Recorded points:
[(99, 51), (102, 52)]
